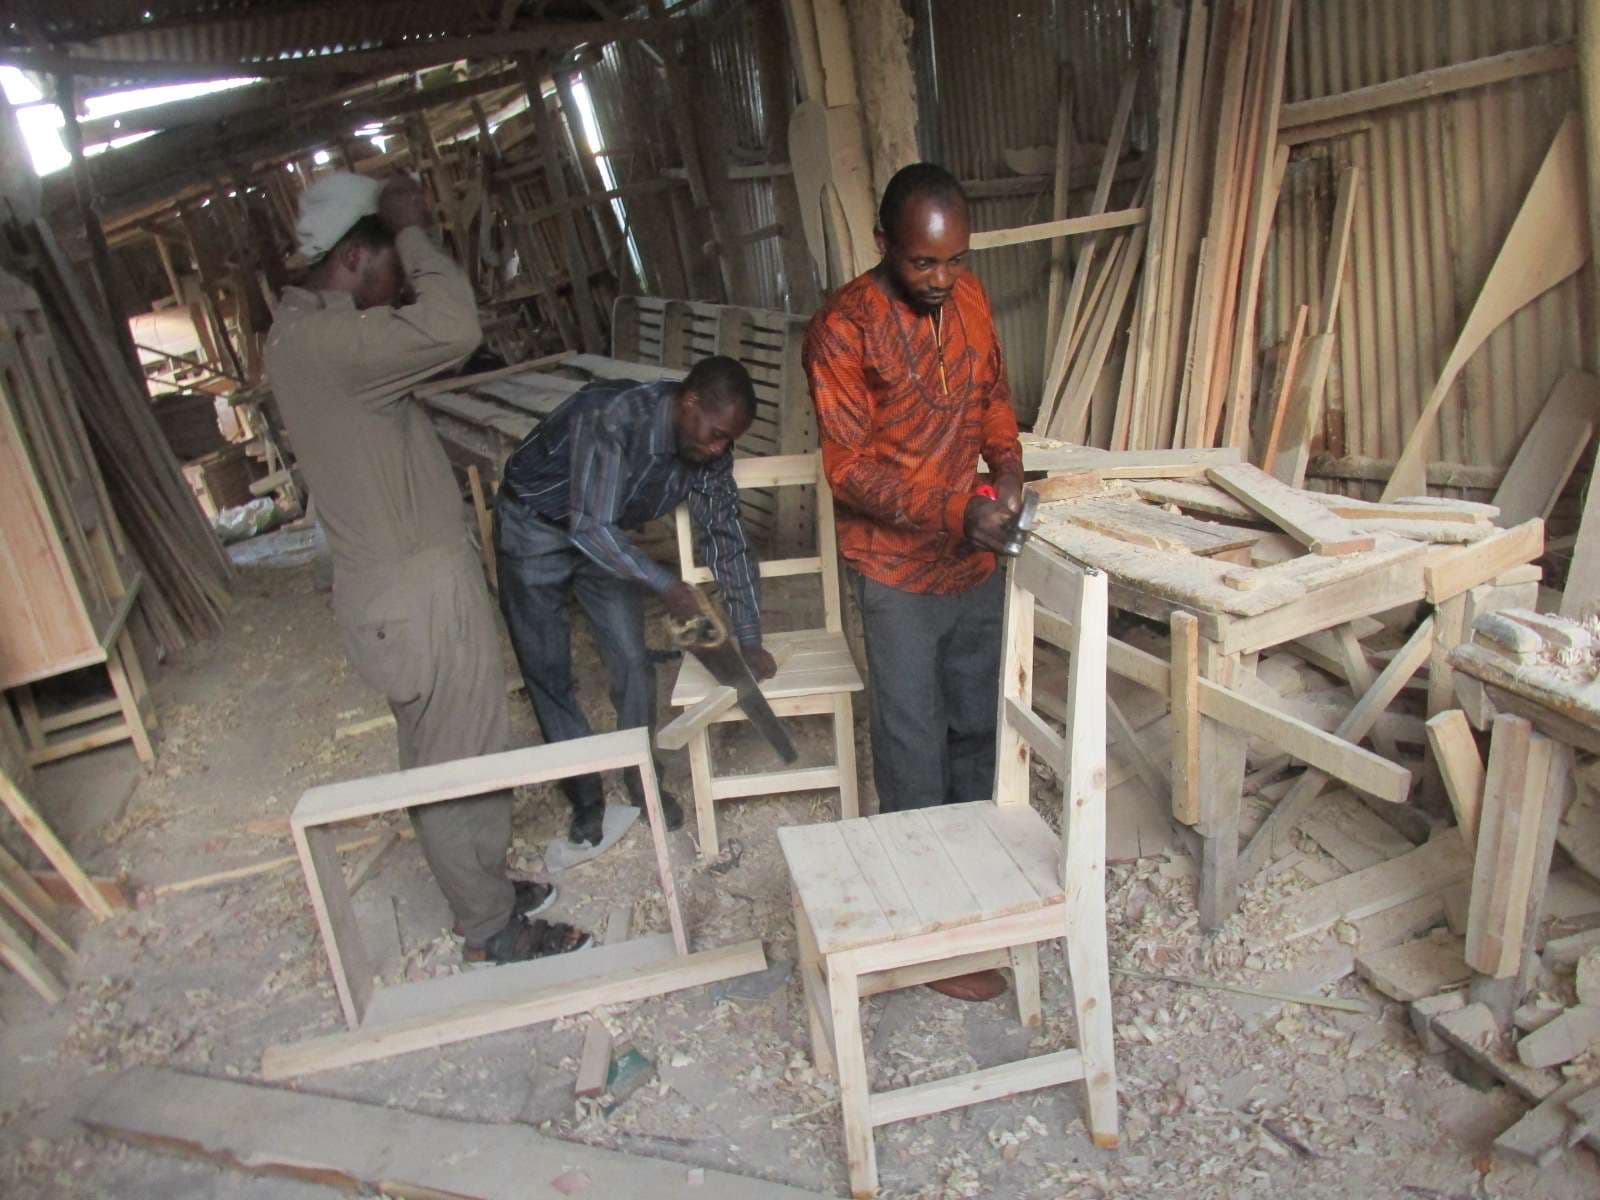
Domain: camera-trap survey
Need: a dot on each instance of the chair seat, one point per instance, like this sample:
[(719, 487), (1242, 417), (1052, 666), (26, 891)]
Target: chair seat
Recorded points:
[(810, 663), (897, 875)]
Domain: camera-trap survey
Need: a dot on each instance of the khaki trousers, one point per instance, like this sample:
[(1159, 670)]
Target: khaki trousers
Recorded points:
[(423, 633)]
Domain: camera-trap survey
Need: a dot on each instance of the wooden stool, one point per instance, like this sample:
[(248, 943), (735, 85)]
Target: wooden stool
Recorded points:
[(898, 899)]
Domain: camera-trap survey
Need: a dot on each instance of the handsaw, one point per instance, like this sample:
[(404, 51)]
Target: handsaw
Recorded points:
[(706, 637)]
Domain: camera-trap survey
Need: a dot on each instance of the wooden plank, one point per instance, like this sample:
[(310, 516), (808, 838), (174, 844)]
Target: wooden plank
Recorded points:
[(991, 1083), (1523, 789), (1185, 695), (680, 731), (594, 1064), (470, 777), (1546, 244), (1417, 969), (1473, 1032), (1561, 1040), (1438, 81), (1581, 598), (842, 905), (1426, 870), (42, 836), (1041, 739), (20, 957), (1130, 464), (1309, 523), (441, 1026), (1456, 752), (872, 864), (1548, 1129), (1327, 752), (981, 861), (1132, 520), (1286, 379), (1456, 571), (1546, 458), (926, 869), (371, 1149), (1095, 222), (1354, 726)]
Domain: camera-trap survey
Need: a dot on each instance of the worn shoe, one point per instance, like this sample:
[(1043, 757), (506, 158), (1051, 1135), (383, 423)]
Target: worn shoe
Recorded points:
[(523, 941), (531, 899), (588, 824), (977, 986)]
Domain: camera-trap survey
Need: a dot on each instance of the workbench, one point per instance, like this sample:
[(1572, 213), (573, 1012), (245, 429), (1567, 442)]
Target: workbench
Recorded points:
[(1231, 584)]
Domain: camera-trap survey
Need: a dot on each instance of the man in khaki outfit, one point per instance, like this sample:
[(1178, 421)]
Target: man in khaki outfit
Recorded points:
[(382, 309)]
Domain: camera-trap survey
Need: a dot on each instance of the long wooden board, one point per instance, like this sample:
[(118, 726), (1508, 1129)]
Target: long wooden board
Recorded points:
[(1309, 523), (370, 1149), (1544, 461), (1548, 242)]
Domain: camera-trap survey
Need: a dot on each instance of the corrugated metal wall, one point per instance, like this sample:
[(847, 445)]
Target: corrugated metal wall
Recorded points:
[(726, 68), (1443, 180), (988, 76)]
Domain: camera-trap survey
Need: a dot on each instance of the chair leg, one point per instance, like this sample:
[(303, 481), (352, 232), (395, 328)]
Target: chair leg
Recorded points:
[(844, 750), (28, 716), (705, 806), (1025, 969), (135, 669), (1091, 998), (850, 1054), (810, 974), (128, 696)]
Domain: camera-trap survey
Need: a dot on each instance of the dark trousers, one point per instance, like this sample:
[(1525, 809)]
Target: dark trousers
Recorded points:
[(539, 571), (933, 687)]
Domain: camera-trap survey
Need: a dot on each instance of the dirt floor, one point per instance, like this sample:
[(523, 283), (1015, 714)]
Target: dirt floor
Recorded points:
[(1223, 1095)]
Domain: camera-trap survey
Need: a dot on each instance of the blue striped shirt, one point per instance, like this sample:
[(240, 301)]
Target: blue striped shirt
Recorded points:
[(606, 461)]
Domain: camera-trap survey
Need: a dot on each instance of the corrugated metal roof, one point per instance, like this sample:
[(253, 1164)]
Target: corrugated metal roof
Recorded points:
[(228, 30)]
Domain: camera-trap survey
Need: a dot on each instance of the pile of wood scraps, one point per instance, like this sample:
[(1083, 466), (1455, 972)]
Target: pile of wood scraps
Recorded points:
[(186, 570), (1299, 637)]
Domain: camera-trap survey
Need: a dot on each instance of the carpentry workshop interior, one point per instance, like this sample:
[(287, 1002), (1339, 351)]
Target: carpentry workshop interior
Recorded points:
[(785, 598)]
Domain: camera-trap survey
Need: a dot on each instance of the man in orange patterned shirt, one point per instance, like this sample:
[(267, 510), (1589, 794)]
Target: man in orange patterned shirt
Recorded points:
[(910, 390)]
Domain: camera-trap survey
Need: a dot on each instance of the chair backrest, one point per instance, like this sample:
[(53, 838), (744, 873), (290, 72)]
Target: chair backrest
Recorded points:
[(775, 471), (1069, 602)]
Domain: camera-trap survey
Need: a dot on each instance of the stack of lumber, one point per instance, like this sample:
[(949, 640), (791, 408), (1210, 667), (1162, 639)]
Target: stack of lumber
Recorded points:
[(1188, 363), (185, 567)]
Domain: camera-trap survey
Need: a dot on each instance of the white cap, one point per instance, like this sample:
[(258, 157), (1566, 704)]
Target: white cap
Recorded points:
[(330, 207)]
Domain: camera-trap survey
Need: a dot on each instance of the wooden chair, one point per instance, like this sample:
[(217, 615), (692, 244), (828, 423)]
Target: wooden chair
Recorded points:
[(899, 899), (816, 674)]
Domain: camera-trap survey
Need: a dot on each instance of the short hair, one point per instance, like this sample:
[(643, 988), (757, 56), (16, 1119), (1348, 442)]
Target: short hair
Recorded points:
[(721, 381), (922, 179)]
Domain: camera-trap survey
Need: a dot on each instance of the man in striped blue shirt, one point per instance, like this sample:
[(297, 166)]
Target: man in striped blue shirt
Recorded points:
[(614, 456)]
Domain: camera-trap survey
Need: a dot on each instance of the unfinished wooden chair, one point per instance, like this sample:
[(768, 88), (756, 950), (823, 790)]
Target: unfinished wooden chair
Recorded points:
[(816, 674), (899, 899)]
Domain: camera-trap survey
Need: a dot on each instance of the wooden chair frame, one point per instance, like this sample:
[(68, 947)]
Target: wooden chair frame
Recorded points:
[(835, 982), (415, 1016), (692, 728)]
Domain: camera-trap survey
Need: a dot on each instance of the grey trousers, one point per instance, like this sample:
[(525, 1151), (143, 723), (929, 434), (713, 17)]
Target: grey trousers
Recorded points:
[(539, 570), (423, 633), (933, 688)]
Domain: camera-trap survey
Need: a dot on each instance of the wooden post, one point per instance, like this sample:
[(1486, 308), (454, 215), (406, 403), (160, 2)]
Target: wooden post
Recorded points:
[(880, 36), (1589, 77), (556, 180), (1222, 765)]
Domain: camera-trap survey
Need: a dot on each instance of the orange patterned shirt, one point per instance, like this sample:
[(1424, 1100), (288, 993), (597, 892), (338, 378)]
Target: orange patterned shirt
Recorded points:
[(905, 408)]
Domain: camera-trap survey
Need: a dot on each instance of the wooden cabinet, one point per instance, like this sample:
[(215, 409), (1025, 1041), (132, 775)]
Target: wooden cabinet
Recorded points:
[(70, 578)]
